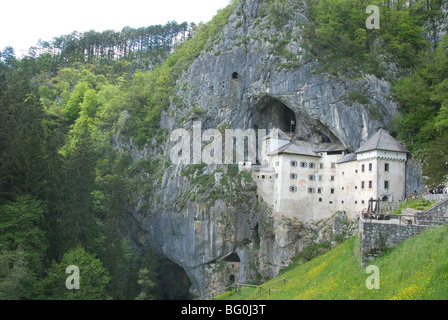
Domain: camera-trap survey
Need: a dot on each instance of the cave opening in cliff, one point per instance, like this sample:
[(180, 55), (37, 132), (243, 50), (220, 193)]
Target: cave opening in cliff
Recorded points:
[(268, 112), (272, 113), (234, 257), (173, 282)]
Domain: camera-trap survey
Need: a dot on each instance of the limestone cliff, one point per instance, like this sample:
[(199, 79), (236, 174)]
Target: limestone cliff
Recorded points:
[(249, 77)]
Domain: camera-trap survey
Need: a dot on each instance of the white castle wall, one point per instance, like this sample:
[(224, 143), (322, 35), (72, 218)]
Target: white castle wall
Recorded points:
[(314, 188)]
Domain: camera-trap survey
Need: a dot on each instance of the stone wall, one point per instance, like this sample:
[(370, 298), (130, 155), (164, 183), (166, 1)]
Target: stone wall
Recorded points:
[(380, 235)]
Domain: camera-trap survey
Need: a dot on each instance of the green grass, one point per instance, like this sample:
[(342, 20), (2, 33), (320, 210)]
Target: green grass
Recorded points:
[(417, 204), (415, 270)]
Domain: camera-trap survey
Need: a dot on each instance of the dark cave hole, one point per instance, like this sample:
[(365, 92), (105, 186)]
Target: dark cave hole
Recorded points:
[(272, 113), (173, 282), (234, 257), (268, 112)]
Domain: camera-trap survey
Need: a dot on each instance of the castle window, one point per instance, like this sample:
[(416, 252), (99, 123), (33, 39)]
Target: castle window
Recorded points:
[(321, 165), (386, 184), (321, 178), (312, 165), (311, 190), (386, 167), (332, 191), (370, 184), (293, 189), (293, 176), (363, 168), (333, 165), (319, 190), (263, 176), (320, 199), (363, 184), (293, 163), (332, 178), (276, 176), (303, 164), (370, 167), (312, 178), (277, 163)]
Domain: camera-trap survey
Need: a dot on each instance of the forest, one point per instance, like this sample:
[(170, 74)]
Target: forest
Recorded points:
[(65, 188)]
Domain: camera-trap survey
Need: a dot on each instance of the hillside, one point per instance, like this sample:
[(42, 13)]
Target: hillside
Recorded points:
[(415, 270)]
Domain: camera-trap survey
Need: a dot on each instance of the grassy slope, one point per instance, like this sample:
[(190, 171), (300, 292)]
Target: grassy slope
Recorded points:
[(416, 269)]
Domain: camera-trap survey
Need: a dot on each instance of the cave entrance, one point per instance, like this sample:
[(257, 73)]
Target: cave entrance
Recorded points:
[(272, 113), (268, 112), (234, 257), (173, 282)]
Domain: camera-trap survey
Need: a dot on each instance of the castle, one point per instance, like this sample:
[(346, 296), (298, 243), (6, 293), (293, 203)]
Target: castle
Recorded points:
[(313, 181)]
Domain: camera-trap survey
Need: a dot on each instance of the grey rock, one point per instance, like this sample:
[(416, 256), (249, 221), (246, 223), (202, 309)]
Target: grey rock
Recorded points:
[(198, 235)]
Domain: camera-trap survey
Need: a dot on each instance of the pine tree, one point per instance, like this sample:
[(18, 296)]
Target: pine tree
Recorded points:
[(77, 220)]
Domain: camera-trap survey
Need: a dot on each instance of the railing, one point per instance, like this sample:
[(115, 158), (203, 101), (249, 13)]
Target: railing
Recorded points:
[(213, 294), (270, 288), (431, 220), (237, 286), (412, 219)]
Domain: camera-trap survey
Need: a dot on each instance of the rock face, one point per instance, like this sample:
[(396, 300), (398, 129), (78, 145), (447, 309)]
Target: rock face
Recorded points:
[(322, 103), (245, 82)]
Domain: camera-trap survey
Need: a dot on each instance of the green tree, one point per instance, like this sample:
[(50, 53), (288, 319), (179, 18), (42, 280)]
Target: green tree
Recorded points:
[(22, 247), (147, 277), (115, 250), (22, 137), (16, 277), (92, 281), (21, 227), (77, 220), (423, 99), (73, 106), (434, 168), (147, 284)]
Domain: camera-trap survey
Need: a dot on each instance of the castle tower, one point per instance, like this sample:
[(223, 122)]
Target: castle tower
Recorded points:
[(382, 161)]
